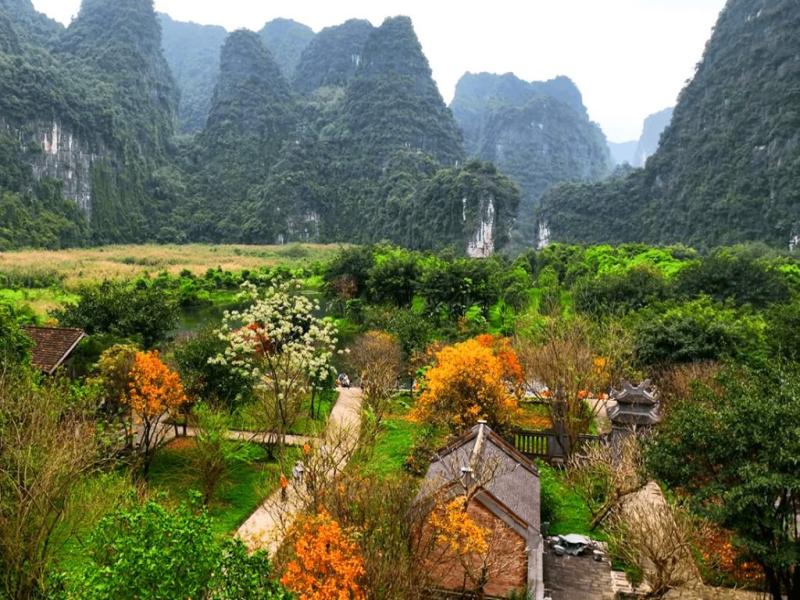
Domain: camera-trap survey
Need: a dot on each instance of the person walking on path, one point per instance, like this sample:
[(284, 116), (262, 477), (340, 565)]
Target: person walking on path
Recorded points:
[(284, 487)]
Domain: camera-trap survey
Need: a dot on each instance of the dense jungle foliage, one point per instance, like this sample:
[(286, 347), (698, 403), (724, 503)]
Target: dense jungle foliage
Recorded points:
[(342, 131), (192, 52), (286, 40), (537, 133), (358, 140), (716, 331), (728, 165)]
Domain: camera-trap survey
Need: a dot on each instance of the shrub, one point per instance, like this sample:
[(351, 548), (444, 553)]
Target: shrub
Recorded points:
[(697, 331), (139, 311), (218, 384)]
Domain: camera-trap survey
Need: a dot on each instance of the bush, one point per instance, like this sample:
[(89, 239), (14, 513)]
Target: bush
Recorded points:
[(218, 384), (352, 264), (393, 278), (735, 274), (140, 311), (624, 292), (783, 323), (697, 331), (15, 346), (149, 551)]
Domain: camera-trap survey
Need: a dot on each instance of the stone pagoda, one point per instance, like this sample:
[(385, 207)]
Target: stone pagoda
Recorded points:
[(633, 408)]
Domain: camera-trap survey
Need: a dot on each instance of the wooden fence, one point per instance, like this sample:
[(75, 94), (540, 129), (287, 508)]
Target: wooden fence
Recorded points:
[(546, 444)]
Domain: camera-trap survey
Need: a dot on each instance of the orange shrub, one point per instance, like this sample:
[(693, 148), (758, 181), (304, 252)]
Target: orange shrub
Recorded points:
[(154, 388), (327, 565)]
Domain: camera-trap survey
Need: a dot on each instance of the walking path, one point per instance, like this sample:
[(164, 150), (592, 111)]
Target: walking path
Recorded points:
[(167, 434), (258, 437), (267, 526)]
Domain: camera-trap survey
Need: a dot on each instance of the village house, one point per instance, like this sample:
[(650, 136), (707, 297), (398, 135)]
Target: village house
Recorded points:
[(52, 346), (502, 492)]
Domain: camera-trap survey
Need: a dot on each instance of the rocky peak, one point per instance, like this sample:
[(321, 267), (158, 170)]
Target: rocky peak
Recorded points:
[(393, 49), (120, 40), (29, 24), (249, 78), (332, 57), (393, 103), (286, 39)]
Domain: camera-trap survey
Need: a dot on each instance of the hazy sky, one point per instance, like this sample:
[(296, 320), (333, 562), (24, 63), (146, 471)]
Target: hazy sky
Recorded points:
[(630, 58)]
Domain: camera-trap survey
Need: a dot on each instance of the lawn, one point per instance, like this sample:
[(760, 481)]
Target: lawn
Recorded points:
[(533, 415), (40, 301), (570, 514), (247, 484), (246, 417), (396, 439), (392, 446)]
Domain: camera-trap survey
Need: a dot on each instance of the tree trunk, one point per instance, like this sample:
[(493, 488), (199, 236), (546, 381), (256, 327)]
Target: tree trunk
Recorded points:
[(773, 584), (794, 589)]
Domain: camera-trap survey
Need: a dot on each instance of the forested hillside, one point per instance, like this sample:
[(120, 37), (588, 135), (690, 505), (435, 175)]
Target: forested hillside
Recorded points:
[(286, 39), (538, 133), (86, 117), (192, 52), (342, 136), (332, 57), (728, 168)]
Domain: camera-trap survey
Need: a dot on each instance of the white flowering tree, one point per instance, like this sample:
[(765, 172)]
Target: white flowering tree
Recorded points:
[(279, 343)]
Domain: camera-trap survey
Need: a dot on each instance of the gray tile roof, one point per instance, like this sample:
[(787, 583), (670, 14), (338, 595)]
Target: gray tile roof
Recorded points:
[(509, 476)]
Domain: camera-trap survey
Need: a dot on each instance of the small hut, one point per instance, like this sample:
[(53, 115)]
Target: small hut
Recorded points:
[(52, 346), (505, 499)]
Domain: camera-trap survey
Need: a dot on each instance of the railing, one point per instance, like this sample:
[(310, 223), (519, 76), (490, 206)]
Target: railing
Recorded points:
[(533, 443), (546, 444)]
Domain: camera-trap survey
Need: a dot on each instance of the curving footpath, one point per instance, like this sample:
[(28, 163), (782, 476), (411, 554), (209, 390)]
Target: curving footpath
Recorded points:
[(266, 527)]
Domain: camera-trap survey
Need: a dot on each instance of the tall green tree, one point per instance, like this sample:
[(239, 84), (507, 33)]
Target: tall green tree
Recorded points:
[(734, 453)]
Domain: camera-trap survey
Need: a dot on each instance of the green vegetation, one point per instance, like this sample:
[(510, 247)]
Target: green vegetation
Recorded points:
[(608, 313), (192, 52), (747, 478), (248, 482), (189, 562), (395, 441), (562, 507), (716, 178), (538, 133), (286, 40), (360, 132)]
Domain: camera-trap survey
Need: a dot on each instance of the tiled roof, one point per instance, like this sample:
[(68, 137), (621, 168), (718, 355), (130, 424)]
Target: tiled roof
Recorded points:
[(515, 480), (52, 345)]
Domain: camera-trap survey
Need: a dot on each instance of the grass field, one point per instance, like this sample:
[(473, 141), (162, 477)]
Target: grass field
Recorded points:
[(570, 512), (247, 484), (84, 265)]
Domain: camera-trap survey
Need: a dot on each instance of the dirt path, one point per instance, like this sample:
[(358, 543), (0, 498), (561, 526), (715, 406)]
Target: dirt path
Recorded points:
[(266, 527), (256, 437), (167, 434)]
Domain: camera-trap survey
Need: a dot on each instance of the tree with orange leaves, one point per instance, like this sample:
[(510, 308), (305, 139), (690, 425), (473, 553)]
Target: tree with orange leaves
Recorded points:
[(471, 380), (462, 545), (154, 391), (327, 565)]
